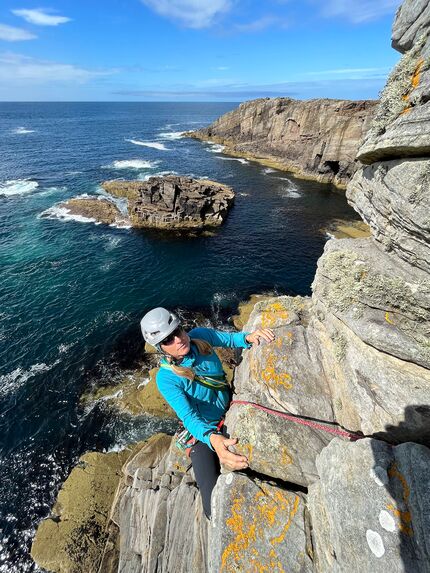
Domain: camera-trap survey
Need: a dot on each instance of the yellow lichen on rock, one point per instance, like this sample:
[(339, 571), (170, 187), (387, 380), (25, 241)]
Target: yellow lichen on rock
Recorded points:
[(266, 517)]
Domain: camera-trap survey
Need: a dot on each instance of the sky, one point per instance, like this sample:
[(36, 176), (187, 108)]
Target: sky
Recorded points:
[(194, 50)]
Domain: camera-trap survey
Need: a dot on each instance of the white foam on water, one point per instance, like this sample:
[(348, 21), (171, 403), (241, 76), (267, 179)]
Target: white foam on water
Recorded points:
[(244, 194), (120, 202), (23, 130), (215, 147), (63, 214), (268, 170), (240, 159), (157, 174), (154, 144), (132, 164), (17, 187), (18, 377), (329, 235), (290, 191), (51, 191), (171, 135)]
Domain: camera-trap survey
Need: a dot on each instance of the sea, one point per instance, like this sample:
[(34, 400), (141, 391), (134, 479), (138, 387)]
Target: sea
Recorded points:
[(72, 292)]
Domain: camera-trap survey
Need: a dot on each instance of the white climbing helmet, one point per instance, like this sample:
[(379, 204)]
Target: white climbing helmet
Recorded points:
[(157, 324)]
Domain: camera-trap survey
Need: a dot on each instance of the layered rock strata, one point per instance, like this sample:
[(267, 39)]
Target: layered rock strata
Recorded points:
[(315, 139), (174, 202)]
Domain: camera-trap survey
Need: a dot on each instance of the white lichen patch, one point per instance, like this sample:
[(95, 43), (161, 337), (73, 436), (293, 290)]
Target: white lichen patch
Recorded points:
[(374, 541), (229, 478), (387, 520), (379, 474)]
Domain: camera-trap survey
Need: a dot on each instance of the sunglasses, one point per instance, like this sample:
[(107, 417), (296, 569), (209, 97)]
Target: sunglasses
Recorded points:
[(169, 339)]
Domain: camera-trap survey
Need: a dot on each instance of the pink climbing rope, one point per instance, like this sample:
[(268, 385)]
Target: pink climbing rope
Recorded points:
[(300, 420)]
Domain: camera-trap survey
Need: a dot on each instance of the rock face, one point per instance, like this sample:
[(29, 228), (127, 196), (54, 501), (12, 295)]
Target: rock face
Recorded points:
[(95, 209), (174, 202), (316, 139)]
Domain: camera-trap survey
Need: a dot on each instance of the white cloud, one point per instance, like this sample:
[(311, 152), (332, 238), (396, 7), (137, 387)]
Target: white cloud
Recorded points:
[(191, 13), (261, 24), (24, 69), (10, 34), (359, 11), (40, 17), (353, 72)]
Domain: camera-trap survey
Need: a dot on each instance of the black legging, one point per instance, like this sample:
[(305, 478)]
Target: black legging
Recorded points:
[(206, 469)]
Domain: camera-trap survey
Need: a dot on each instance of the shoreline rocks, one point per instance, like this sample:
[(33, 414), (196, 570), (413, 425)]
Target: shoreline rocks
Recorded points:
[(315, 139)]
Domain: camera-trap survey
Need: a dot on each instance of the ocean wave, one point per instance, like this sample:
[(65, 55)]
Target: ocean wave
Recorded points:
[(23, 130), (291, 190), (157, 174), (17, 187), (63, 214), (244, 194), (154, 144), (268, 170), (132, 164), (18, 377), (120, 202), (171, 135), (47, 191), (240, 159), (215, 147)]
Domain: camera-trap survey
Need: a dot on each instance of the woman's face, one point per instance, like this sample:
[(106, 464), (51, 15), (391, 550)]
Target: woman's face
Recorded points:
[(177, 344)]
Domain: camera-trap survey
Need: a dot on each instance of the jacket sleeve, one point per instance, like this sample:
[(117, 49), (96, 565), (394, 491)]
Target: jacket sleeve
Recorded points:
[(178, 400), (219, 338)]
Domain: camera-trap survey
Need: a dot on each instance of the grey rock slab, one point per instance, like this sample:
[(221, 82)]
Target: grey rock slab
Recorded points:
[(257, 526), (370, 509), (274, 446), (393, 198), (382, 299), (287, 373), (373, 392), (412, 20)]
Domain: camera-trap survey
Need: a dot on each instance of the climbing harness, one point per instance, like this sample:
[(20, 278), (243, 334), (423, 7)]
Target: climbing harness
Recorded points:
[(301, 420), (185, 441), (214, 381)]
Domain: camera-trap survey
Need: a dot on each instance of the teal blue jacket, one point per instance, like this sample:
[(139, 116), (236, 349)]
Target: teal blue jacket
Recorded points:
[(200, 408)]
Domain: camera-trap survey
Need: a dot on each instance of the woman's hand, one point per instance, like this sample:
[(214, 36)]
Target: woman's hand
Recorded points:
[(265, 333), (231, 461)]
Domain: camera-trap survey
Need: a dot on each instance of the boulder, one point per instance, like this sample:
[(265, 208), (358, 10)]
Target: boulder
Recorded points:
[(370, 509), (174, 202), (412, 21), (257, 526), (315, 139)]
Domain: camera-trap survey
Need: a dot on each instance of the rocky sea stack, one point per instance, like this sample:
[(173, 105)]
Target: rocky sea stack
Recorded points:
[(170, 203), (315, 139), (174, 202)]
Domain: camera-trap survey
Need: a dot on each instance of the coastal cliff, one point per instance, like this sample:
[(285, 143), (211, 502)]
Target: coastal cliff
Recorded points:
[(315, 139), (334, 416)]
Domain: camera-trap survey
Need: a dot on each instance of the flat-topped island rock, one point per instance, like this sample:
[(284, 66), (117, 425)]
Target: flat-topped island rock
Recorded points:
[(174, 202)]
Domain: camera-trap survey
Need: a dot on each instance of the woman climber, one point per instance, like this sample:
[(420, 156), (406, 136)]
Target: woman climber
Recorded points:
[(192, 381)]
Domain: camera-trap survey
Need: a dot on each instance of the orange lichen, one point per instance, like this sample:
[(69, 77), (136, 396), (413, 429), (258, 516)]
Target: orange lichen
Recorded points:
[(404, 517), (272, 314), (272, 375), (269, 512), (415, 80)]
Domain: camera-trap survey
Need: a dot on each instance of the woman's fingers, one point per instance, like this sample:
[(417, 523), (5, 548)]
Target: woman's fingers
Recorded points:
[(266, 333)]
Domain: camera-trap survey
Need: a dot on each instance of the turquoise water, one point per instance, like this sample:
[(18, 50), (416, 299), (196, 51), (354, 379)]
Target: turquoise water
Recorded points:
[(72, 293)]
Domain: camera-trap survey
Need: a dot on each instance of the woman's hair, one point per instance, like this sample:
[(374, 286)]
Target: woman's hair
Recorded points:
[(202, 346)]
